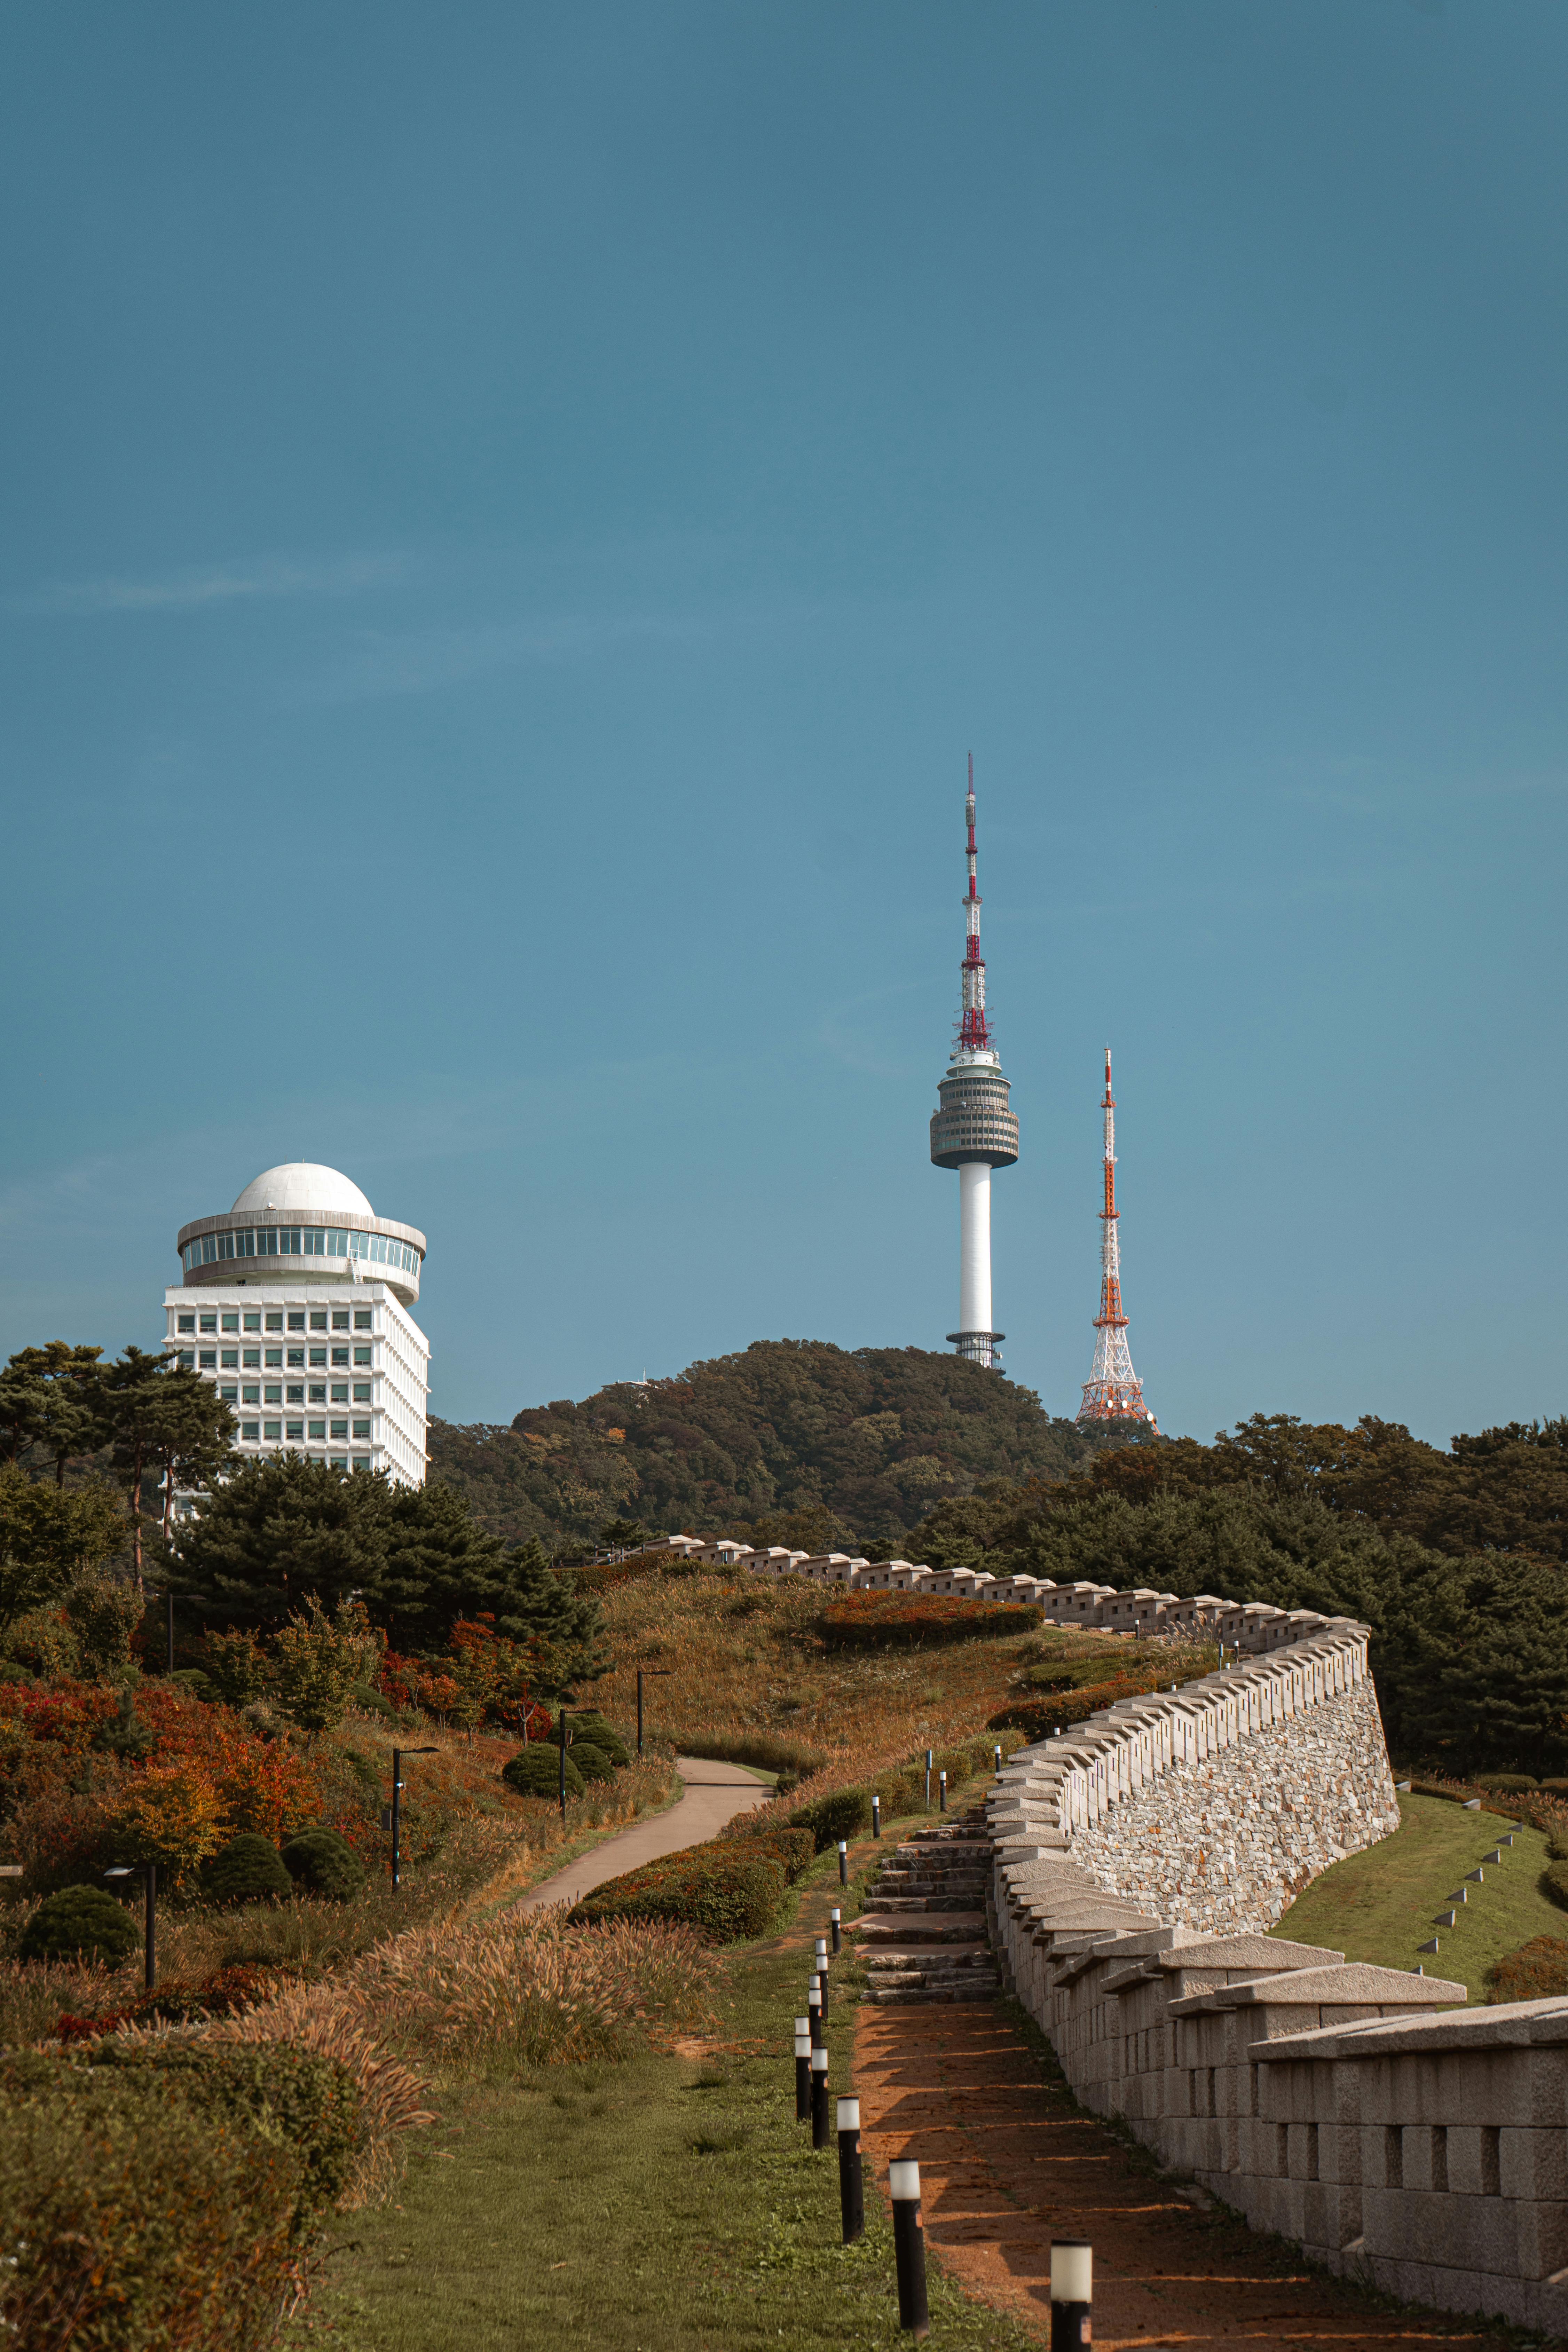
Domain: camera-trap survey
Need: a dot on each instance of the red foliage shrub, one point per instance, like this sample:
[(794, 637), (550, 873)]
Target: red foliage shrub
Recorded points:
[(1536, 1971), (909, 1620)]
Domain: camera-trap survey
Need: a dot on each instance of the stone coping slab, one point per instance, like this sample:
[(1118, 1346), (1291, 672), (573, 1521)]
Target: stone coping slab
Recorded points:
[(1510, 2025), (1354, 1984)]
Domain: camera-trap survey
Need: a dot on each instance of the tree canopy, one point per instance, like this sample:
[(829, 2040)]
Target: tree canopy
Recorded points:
[(789, 1435)]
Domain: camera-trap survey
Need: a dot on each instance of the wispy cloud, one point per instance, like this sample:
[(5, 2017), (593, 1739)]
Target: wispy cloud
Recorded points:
[(418, 661), (222, 584)]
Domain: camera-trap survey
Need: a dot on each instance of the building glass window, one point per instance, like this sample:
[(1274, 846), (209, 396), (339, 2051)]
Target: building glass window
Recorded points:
[(252, 1396), (209, 1359), (231, 1360), (296, 1359), (338, 1462), (296, 1394), (340, 1356), (315, 1244), (209, 1322), (275, 1359), (274, 1319), (229, 1396), (296, 1318), (253, 1322), (362, 1355), (274, 1396), (340, 1392), (250, 1432), (318, 1429), (340, 1428), (318, 1356), (318, 1319), (362, 1393), (231, 1322), (187, 1359), (188, 1322), (339, 1318), (253, 1360), (361, 1461), (362, 1429), (294, 1429), (272, 1429), (318, 1393), (362, 1319)]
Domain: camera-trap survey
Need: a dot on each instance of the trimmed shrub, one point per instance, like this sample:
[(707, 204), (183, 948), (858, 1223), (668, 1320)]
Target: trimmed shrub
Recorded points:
[(79, 1923), (136, 2221), (792, 1848), (323, 1862), (590, 1724), (917, 1620), (295, 2098), (535, 1772), (723, 1889), (841, 1813), (1554, 1883), (1536, 1971), (591, 1760), (1507, 1783), (195, 1684), (770, 1751), (249, 1869)]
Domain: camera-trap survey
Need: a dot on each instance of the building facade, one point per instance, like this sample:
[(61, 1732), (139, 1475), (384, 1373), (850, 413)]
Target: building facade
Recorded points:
[(297, 1304)]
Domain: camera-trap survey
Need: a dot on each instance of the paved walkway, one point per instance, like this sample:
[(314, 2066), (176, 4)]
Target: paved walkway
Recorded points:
[(714, 1793), (1007, 2160)]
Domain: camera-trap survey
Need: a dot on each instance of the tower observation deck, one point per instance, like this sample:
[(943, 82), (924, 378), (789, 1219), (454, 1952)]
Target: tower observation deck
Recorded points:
[(973, 1130)]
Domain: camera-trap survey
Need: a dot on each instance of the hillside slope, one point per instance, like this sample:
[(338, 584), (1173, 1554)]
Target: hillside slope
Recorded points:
[(793, 1439)]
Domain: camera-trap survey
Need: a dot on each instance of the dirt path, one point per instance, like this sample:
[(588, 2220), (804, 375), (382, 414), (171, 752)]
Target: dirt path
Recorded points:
[(1006, 2159), (714, 1794)]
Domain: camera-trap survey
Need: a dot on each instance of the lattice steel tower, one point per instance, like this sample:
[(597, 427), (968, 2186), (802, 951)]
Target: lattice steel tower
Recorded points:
[(1112, 1391), (974, 1131)]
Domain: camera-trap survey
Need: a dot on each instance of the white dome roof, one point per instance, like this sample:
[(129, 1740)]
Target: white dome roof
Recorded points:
[(304, 1186)]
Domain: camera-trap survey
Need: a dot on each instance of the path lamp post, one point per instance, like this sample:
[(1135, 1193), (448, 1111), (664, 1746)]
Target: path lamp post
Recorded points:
[(802, 2069), (819, 2131), (908, 2246), (647, 1673), (396, 1821), (835, 1920), (562, 1735), (876, 1817), (930, 1760), (843, 1861), (942, 1796), (851, 2185), (1072, 2292), (150, 1928)]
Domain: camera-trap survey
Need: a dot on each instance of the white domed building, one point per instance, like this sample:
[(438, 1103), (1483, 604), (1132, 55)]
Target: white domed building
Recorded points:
[(297, 1304)]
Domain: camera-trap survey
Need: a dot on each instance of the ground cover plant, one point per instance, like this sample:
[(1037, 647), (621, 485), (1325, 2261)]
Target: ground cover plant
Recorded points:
[(1379, 1904)]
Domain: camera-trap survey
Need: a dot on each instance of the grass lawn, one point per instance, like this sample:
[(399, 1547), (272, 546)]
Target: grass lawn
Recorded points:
[(669, 2203), (1379, 1906)]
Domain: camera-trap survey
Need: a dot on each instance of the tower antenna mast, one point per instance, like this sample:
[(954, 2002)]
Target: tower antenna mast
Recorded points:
[(973, 1130), (1112, 1391)]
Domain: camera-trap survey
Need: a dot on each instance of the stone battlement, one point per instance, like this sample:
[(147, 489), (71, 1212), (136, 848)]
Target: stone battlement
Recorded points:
[(1359, 2110)]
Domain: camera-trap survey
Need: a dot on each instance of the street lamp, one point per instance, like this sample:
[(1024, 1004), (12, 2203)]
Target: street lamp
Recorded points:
[(397, 1756), (647, 1673), (128, 1870)]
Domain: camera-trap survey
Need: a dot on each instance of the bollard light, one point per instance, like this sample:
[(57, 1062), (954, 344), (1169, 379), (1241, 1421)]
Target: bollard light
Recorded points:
[(822, 1957), (851, 2184), (814, 2012), (843, 1861), (876, 1817), (835, 1920), (1072, 2292), (908, 2247), (819, 2131), (996, 1752), (930, 1760), (802, 2069), (941, 1791)]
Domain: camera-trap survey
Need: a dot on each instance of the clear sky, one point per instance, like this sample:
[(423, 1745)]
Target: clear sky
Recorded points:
[(514, 517)]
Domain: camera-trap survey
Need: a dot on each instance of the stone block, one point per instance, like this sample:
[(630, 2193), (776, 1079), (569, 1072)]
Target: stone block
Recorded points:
[(1532, 2163), (1330, 2214), (1474, 2160), (1542, 2236), (1262, 2148), (1301, 2159), (1340, 2154)]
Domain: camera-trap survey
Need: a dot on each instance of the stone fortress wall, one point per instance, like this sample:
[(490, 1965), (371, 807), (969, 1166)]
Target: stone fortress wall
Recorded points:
[(1396, 2135)]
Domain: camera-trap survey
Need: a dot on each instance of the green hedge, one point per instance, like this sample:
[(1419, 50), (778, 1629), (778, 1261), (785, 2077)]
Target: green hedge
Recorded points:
[(1536, 1971), (841, 1813), (1554, 1883), (792, 1848), (293, 2099), (249, 1869), (323, 1862), (725, 1889), (535, 1772), (79, 1922), (135, 2221)]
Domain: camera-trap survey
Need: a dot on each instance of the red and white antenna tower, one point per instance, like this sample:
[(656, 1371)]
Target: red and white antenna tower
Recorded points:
[(1112, 1391)]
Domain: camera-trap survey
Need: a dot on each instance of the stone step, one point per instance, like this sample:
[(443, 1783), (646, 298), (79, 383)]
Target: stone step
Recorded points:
[(893, 1906), (903, 1995), (931, 1927), (924, 1960)]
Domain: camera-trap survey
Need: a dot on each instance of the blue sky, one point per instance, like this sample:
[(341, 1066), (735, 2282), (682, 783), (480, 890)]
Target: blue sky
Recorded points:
[(515, 517)]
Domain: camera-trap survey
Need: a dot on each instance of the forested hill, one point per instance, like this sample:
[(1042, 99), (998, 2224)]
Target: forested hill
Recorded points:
[(793, 1441)]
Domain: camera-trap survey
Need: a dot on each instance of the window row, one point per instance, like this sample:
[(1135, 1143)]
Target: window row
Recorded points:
[(234, 1319), (298, 1241), (258, 1432), (299, 1393), (271, 1360)]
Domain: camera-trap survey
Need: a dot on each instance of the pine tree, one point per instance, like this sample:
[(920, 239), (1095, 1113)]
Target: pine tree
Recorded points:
[(542, 1606)]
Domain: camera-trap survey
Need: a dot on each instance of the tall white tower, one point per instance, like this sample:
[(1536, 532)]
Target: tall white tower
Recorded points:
[(296, 1302), (974, 1131)]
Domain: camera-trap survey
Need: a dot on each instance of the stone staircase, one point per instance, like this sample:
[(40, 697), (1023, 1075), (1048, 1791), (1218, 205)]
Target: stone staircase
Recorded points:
[(923, 1933)]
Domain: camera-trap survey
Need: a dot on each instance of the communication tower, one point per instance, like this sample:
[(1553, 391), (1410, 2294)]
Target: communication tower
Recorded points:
[(1112, 1391)]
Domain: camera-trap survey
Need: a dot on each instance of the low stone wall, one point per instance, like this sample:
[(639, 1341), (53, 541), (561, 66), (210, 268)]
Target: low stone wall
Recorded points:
[(1359, 2110)]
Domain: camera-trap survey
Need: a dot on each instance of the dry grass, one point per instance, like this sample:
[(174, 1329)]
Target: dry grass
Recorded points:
[(745, 1665)]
